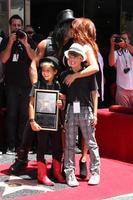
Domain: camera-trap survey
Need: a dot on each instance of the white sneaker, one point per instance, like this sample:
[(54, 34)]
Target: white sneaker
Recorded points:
[(94, 179), (71, 179)]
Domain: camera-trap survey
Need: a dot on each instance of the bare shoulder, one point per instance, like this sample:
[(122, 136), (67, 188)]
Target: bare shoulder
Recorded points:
[(42, 44), (40, 50)]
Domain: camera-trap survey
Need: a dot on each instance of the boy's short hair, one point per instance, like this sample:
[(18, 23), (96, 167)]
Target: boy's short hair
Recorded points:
[(77, 49), (50, 59)]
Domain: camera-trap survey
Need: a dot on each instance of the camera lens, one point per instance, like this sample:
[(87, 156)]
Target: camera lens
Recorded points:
[(20, 34), (118, 40), (126, 70)]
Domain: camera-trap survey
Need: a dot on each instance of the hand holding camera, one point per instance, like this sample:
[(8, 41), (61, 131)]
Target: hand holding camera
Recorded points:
[(22, 37), (20, 34), (118, 42), (12, 38), (118, 39), (115, 40), (19, 37)]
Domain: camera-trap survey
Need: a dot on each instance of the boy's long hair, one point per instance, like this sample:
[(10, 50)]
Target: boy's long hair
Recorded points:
[(60, 34)]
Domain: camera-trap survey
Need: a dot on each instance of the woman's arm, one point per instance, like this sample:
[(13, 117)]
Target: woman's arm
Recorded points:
[(89, 70)]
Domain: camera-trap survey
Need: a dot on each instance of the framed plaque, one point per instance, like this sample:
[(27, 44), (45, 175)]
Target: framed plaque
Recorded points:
[(45, 109)]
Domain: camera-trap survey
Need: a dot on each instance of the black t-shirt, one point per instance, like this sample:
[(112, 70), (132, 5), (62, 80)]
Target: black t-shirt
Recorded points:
[(80, 89), (17, 66), (52, 50), (42, 84)]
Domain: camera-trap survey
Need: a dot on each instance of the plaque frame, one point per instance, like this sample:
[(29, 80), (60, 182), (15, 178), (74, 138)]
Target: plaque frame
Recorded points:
[(46, 111)]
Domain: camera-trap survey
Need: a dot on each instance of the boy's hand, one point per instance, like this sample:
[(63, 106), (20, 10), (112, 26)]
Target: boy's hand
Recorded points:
[(59, 104), (35, 126), (62, 98), (94, 122)]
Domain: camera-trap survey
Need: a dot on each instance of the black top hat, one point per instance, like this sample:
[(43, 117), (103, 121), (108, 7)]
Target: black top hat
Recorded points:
[(65, 15), (52, 60)]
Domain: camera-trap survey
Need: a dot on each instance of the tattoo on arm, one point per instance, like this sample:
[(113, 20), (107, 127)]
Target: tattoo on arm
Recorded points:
[(37, 51)]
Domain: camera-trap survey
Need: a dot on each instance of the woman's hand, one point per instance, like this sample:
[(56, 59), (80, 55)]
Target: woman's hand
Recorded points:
[(70, 79)]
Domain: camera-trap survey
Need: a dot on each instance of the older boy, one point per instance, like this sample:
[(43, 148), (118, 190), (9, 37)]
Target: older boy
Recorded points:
[(81, 98)]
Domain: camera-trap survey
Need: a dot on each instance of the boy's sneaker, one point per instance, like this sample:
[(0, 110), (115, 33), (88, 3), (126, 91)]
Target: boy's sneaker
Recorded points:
[(71, 179), (94, 179)]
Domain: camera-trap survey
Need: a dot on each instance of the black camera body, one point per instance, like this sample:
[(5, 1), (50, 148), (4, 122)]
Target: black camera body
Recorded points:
[(118, 39), (20, 34), (126, 70)]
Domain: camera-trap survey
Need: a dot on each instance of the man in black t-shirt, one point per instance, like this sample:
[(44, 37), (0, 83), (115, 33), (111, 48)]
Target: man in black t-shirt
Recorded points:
[(16, 52)]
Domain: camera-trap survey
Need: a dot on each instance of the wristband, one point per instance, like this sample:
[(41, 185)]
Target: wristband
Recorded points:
[(31, 120)]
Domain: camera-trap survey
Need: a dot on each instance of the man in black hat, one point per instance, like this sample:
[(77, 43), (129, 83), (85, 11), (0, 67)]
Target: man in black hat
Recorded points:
[(65, 15), (51, 46), (59, 41)]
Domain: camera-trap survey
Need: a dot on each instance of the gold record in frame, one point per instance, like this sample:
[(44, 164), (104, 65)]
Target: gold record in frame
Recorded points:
[(45, 109)]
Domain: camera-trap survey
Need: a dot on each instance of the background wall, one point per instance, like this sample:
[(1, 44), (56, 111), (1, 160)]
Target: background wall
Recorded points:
[(45, 21)]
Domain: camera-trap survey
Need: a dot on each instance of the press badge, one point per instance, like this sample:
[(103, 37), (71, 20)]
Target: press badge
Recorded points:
[(76, 107), (15, 57)]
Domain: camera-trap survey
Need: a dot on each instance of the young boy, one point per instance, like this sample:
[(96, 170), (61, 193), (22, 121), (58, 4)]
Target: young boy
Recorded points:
[(81, 111), (49, 66)]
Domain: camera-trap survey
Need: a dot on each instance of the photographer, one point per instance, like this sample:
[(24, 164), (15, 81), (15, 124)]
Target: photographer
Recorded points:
[(121, 57), (16, 52)]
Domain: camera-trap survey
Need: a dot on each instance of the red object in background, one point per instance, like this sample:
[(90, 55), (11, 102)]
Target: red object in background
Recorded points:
[(114, 133)]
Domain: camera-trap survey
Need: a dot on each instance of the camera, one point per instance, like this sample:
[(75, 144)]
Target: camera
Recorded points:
[(20, 34), (126, 70), (118, 39)]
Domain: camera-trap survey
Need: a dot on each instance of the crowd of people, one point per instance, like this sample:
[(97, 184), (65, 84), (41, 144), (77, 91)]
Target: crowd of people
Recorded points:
[(69, 61)]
